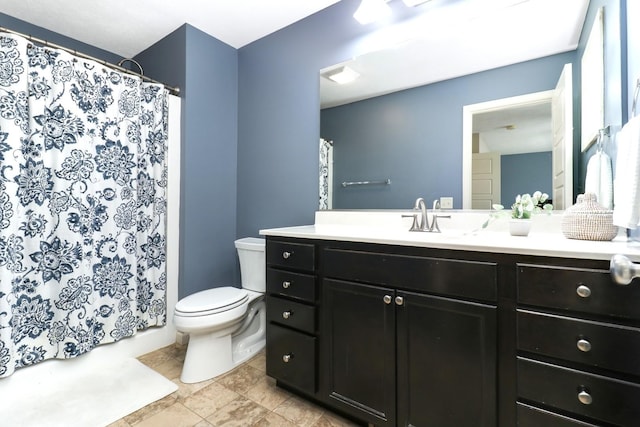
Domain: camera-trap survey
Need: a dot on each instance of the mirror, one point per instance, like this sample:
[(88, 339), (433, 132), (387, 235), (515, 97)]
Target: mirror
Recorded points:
[(390, 146)]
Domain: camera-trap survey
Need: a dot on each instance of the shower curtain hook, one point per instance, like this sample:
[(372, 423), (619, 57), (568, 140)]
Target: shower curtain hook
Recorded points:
[(122, 61)]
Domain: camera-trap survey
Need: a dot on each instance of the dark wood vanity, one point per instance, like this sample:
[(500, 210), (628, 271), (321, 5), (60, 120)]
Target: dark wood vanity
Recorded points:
[(394, 335)]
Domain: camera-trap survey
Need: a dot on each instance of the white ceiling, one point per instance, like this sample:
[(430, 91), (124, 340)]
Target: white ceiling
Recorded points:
[(127, 27), (514, 130)]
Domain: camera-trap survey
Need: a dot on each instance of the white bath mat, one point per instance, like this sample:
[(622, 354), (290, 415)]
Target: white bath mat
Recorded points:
[(82, 393)]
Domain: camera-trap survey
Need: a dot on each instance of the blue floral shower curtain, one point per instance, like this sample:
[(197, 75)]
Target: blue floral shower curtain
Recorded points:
[(83, 179)]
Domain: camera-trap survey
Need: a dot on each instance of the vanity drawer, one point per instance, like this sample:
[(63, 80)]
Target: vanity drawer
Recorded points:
[(468, 279), (297, 256), (612, 401), (291, 358), (604, 345), (575, 289), (290, 284), (292, 314), (529, 416)]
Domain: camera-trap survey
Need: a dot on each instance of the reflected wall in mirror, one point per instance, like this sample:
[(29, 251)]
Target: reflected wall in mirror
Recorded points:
[(414, 136)]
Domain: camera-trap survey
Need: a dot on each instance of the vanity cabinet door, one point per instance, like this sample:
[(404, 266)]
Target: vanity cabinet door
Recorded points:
[(446, 362), (360, 350)]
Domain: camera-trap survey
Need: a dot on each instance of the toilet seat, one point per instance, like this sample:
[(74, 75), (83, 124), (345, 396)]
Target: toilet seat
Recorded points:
[(211, 301)]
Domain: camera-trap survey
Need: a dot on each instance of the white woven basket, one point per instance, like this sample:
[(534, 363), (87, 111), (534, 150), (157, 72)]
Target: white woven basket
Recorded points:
[(587, 220)]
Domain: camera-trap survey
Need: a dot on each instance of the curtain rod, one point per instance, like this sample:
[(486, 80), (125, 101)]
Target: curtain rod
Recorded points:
[(173, 90)]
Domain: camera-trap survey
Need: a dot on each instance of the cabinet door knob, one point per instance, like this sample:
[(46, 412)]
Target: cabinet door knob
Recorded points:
[(623, 270), (583, 291), (286, 255), (399, 300), (387, 299), (286, 284), (286, 314), (585, 398), (286, 358), (584, 345)]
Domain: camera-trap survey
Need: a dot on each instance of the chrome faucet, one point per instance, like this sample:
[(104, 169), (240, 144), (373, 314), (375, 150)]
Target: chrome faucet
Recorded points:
[(422, 224), (424, 220)]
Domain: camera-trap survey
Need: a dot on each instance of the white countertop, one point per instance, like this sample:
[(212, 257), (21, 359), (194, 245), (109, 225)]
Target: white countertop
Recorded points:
[(461, 232)]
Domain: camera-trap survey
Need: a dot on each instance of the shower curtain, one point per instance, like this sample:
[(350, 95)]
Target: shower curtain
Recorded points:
[(326, 174), (83, 178)]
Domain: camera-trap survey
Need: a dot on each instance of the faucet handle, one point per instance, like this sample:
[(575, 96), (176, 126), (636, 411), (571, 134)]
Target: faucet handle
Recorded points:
[(414, 226), (434, 224)]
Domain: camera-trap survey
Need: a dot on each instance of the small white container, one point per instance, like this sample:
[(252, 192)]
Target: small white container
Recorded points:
[(519, 226)]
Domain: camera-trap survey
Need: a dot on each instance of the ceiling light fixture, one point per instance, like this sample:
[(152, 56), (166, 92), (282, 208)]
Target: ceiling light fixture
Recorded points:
[(371, 10), (341, 75), (412, 3)]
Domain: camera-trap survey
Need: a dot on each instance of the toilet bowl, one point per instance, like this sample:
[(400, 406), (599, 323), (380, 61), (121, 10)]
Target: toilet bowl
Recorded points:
[(226, 325)]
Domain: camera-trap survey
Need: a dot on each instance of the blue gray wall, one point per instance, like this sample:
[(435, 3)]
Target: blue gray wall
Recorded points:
[(279, 123), (279, 114), (524, 173), (414, 137), (206, 70)]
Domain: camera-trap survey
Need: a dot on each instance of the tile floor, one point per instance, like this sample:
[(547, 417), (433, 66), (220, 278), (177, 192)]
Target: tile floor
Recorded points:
[(244, 397)]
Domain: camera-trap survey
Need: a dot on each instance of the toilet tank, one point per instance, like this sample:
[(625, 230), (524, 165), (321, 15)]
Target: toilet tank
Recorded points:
[(251, 253)]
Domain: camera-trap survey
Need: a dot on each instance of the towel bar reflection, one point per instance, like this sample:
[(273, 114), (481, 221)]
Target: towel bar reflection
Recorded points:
[(350, 183)]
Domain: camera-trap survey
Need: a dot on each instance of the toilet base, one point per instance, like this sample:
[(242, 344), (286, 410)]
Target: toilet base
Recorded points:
[(212, 354), (207, 356)]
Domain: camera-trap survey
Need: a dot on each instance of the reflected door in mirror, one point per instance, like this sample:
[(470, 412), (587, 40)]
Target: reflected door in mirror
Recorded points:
[(485, 185)]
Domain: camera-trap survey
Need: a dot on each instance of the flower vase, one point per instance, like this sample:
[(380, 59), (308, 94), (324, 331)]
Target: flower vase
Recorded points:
[(519, 226)]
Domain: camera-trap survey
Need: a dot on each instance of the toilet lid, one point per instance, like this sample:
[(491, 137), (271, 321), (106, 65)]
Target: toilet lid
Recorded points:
[(212, 300)]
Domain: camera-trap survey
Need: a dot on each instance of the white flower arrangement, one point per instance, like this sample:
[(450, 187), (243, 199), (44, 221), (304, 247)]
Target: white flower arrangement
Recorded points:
[(525, 206)]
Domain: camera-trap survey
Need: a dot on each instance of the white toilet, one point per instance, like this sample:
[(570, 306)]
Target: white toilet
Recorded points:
[(226, 325)]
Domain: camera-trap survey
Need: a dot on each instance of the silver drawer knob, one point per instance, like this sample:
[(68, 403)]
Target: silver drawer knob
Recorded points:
[(286, 314), (584, 345), (583, 291), (387, 299), (286, 358), (286, 255), (585, 398), (399, 300), (286, 284)]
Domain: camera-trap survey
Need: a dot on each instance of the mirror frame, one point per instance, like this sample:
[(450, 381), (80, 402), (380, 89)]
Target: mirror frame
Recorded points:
[(467, 130)]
